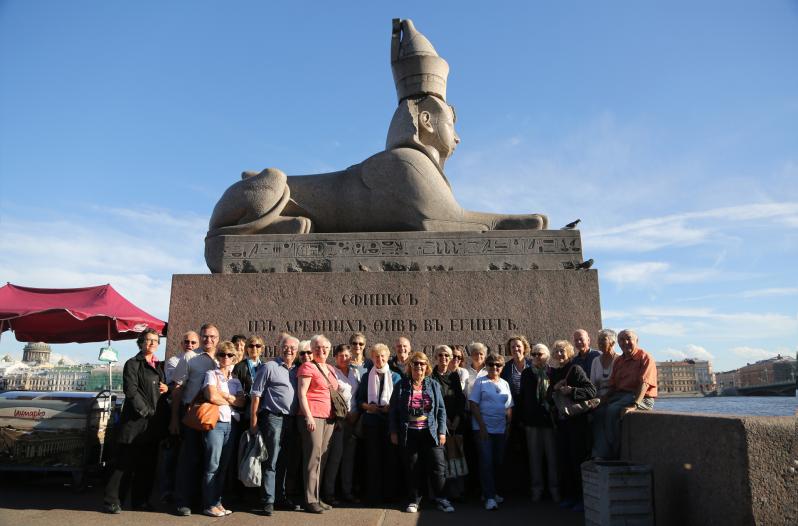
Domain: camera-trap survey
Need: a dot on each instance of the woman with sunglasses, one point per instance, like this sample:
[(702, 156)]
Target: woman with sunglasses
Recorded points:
[(417, 423), (535, 414), (246, 370), (491, 405), (572, 434), (456, 365), (454, 400), (357, 346), (222, 389), (316, 379)]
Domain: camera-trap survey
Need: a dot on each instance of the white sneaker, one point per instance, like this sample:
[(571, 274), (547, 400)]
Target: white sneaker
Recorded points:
[(490, 504), (412, 508), (445, 506)]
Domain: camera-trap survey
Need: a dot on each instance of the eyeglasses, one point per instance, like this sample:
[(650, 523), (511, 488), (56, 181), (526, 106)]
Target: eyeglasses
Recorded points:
[(304, 353), (496, 365), (227, 354), (190, 342), (420, 364), (149, 340), (255, 345), (456, 357)]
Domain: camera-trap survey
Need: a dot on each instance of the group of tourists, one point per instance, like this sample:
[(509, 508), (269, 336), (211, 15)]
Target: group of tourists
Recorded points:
[(362, 427)]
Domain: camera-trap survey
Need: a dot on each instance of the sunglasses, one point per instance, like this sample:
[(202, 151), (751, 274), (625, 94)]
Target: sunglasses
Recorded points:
[(255, 345), (420, 364), (496, 365), (456, 357), (303, 353), (358, 343), (537, 354), (190, 342), (223, 354)]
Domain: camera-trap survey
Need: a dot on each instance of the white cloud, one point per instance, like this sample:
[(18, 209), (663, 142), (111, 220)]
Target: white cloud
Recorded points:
[(679, 230), (137, 255), (748, 294), (659, 273), (659, 328), (690, 351), (753, 354), (634, 273)]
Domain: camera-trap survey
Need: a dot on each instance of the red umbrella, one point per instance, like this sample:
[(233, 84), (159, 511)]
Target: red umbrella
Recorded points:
[(89, 314)]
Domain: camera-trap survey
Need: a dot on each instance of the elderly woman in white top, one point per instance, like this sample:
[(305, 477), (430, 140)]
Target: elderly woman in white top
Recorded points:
[(222, 389), (341, 451), (491, 406), (601, 369)]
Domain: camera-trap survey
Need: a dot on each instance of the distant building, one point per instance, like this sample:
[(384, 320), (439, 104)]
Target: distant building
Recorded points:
[(727, 380), (685, 377), (36, 352), (778, 370), (58, 378)]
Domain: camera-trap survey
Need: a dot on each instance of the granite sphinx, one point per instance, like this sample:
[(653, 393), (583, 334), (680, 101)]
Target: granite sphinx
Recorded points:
[(403, 188)]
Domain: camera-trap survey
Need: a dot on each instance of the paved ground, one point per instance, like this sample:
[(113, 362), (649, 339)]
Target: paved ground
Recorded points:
[(50, 501)]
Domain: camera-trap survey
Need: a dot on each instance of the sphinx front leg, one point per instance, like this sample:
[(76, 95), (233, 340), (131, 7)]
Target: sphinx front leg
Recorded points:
[(289, 225), (508, 221)]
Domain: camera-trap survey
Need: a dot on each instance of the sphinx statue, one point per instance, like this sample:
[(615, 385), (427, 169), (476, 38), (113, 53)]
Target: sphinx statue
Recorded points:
[(403, 188)]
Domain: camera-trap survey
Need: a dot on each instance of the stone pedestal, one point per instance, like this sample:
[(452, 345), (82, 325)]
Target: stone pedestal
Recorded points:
[(375, 291)]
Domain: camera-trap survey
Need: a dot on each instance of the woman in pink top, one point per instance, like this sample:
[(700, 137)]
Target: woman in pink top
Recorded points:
[(316, 407)]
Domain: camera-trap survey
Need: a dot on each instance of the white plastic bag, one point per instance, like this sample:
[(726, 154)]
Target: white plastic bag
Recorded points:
[(251, 453)]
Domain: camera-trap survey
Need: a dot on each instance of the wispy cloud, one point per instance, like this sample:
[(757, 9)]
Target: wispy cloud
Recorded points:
[(681, 230), (659, 273), (748, 294), (137, 255), (753, 354)]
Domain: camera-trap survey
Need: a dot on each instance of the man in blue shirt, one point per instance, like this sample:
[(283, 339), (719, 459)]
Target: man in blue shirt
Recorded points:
[(271, 397)]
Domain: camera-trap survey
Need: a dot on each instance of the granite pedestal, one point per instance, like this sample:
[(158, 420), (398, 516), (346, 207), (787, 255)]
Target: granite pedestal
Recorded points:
[(395, 284)]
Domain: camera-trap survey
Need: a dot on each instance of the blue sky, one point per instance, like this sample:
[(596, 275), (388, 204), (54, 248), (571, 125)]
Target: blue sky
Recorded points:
[(671, 130)]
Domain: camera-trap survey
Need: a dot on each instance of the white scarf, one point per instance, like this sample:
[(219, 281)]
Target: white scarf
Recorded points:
[(374, 386)]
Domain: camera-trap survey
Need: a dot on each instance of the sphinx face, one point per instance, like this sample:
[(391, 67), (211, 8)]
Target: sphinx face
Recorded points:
[(447, 138)]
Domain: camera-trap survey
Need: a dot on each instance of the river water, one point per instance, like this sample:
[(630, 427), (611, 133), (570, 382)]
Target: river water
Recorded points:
[(731, 405)]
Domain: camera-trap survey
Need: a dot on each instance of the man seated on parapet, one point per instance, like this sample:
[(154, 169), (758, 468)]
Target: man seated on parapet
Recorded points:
[(633, 387), (584, 354), (402, 349)]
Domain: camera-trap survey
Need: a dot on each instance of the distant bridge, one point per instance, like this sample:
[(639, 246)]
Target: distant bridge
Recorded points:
[(780, 389)]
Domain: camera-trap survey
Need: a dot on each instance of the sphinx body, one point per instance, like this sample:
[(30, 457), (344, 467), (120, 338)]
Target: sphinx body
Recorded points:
[(401, 189)]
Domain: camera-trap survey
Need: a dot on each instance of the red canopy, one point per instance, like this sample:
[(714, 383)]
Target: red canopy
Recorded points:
[(72, 315)]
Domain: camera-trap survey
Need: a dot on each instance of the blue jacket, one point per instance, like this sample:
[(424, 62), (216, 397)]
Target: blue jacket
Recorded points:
[(400, 398)]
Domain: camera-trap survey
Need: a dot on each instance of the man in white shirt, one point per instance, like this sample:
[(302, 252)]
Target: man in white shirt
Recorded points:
[(188, 376)]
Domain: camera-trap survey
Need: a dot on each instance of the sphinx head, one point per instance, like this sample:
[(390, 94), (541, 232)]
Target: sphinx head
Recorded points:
[(425, 123)]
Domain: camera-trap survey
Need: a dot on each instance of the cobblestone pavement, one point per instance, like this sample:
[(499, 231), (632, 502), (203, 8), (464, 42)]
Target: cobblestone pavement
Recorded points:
[(50, 501)]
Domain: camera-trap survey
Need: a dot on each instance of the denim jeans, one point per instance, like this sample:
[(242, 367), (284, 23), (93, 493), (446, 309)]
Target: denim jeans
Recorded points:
[(218, 447), (188, 461), (607, 424), (272, 430), (491, 455)]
